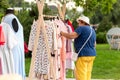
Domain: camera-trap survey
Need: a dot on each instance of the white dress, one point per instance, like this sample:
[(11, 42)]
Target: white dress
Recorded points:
[(6, 54), (18, 50)]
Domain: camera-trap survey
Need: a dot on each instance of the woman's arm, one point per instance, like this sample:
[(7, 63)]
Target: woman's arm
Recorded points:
[(72, 35)]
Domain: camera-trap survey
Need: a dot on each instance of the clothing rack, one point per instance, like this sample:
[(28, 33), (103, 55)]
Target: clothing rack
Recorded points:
[(62, 11), (41, 25), (49, 16)]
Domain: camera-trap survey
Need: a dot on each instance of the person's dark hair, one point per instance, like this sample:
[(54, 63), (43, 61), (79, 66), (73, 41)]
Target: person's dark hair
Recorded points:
[(9, 11)]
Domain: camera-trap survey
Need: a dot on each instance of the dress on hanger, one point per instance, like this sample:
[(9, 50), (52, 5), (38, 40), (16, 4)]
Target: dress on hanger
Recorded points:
[(62, 27), (69, 50), (41, 59)]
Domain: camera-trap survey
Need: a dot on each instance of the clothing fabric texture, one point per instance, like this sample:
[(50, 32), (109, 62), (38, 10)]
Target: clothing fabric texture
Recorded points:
[(0, 67), (2, 38), (62, 27), (70, 24), (57, 45), (84, 68), (89, 48), (6, 53), (25, 47), (18, 50), (41, 59), (69, 50)]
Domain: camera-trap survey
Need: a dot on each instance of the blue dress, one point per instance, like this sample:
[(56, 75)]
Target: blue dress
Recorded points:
[(18, 50)]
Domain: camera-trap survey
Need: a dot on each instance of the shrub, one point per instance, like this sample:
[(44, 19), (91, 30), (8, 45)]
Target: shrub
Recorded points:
[(101, 37), (104, 25)]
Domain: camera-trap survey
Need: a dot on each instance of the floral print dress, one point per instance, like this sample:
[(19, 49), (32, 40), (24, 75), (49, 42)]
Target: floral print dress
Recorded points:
[(41, 59)]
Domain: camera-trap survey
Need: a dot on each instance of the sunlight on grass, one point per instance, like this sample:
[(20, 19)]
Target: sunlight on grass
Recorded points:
[(107, 63)]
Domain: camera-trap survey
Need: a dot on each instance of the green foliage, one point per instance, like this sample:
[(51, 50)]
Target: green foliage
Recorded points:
[(115, 13), (47, 11), (72, 14), (16, 3), (101, 37), (97, 17), (75, 24), (26, 4), (50, 10), (3, 6), (106, 5), (1, 15), (104, 25), (27, 65), (103, 28), (90, 6), (34, 11)]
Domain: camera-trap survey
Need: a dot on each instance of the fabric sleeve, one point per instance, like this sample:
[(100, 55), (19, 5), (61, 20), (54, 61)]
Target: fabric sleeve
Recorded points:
[(78, 30)]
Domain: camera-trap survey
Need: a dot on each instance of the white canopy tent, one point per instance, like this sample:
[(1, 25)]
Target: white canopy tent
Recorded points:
[(113, 38)]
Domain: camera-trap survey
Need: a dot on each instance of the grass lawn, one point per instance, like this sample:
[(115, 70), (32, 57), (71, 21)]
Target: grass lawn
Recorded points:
[(106, 65)]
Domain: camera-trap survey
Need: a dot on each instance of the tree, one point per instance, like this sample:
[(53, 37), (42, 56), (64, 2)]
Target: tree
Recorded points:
[(115, 13), (3, 6), (47, 10), (90, 6), (16, 3)]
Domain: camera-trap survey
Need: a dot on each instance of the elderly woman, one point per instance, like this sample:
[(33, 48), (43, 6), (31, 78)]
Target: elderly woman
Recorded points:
[(87, 54)]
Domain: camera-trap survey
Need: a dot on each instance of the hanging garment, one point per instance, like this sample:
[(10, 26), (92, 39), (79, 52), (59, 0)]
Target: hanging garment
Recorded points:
[(41, 59), (6, 54), (18, 50), (2, 39), (63, 28), (25, 47), (69, 50), (0, 67), (70, 24)]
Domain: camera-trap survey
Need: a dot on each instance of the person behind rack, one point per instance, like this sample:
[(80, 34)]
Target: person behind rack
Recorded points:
[(87, 55)]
